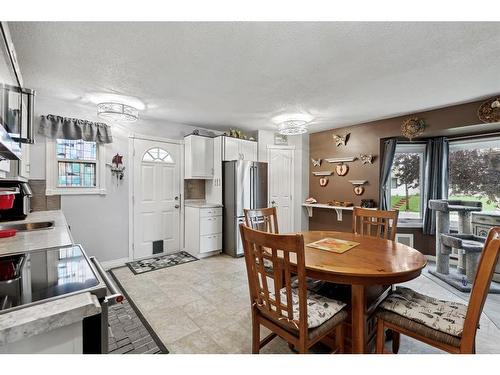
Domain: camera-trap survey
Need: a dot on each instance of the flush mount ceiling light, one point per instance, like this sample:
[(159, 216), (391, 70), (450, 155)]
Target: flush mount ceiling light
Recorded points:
[(293, 127), (293, 124), (117, 112)]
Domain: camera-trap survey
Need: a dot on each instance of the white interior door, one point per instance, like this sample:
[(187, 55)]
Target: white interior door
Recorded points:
[(281, 185), (156, 199)]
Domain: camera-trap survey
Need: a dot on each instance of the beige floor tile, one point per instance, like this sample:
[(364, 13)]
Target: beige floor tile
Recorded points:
[(171, 324), (196, 343), (204, 307)]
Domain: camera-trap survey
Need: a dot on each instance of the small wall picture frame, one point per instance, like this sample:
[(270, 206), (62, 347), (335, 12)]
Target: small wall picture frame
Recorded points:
[(280, 139)]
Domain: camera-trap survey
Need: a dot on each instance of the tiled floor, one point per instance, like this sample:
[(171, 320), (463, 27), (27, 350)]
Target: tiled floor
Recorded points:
[(203, 307)]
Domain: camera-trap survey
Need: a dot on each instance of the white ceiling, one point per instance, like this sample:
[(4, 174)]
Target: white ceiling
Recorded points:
[(219, 75)]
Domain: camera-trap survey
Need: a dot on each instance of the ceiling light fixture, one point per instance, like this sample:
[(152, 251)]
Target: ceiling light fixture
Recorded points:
[(293, 127), (117, 112)]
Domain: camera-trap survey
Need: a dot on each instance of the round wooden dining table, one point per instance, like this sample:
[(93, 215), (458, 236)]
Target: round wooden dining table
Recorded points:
[(370, 268)]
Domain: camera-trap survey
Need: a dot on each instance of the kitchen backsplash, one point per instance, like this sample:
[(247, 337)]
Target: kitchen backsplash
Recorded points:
[(194, 189), (40, 201)]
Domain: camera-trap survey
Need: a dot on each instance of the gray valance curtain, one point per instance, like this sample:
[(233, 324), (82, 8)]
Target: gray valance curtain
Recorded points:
[(71, 128), (435, 178), (389, 150)]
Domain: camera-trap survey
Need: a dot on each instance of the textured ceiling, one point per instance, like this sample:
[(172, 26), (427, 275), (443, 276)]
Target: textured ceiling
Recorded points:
[(218, 75)]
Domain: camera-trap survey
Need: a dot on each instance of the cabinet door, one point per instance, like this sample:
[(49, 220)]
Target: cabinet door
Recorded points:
[(231, 149), (201, 157), (248, 149)]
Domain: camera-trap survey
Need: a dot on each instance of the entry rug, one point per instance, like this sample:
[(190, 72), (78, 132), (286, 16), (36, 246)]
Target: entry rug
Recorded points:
[(158, 262)]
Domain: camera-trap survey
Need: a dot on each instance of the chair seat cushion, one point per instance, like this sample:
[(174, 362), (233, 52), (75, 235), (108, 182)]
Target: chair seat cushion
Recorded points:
[(319, 308), (444, 316)]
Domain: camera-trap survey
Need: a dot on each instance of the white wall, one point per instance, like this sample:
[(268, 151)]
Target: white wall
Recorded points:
[(301, 182), (100, 223)]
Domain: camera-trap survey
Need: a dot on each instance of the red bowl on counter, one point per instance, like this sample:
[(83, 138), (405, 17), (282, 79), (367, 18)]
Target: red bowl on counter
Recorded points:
[(6, 201)]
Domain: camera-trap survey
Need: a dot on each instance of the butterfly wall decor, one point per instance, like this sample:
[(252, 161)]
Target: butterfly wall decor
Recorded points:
[(316, 163), (366, 159), (341, 140)]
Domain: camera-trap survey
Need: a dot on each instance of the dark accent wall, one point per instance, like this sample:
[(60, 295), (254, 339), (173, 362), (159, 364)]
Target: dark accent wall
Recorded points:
[(365, 139)]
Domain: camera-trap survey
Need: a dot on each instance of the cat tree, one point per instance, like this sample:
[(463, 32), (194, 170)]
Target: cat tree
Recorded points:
[(469, 246)]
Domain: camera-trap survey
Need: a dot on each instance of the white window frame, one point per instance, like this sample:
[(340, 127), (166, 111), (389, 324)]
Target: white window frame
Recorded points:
[(52, 173), (418, 148), (464, 144)]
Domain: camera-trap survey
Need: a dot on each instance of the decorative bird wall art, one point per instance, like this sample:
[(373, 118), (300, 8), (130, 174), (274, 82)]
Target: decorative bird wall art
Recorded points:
[(366, 158), (341, 140), (316, 163)]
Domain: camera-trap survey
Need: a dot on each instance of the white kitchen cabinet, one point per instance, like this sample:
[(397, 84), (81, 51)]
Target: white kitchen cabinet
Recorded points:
[(203, 230), (248, 150), (213, 187), (238, 149), (198, 157)]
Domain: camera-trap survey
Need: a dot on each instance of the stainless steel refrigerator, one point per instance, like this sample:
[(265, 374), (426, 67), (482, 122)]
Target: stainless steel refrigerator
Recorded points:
[(244, 186)]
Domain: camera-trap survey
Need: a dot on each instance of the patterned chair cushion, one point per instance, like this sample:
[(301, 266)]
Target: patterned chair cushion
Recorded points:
[(319, 308), (444, 316)]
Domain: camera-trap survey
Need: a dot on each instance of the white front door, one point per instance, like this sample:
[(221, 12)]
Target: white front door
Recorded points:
[(281, 185), (156, 199)]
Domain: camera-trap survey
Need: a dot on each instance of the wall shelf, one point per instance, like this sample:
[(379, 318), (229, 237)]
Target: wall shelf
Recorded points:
[(323, 173), (338, 209), (341, 160)]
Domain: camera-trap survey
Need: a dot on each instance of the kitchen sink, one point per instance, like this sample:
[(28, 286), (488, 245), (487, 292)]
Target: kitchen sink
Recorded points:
[(29, 226)]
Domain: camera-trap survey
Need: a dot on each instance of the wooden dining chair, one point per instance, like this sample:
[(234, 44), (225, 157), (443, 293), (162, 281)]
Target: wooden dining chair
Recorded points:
[(449, 326), (375, 223), (300, 317), (263, 219)]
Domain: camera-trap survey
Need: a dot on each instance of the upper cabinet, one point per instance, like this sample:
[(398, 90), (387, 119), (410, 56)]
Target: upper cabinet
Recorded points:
[(238, 149), (198, 157)]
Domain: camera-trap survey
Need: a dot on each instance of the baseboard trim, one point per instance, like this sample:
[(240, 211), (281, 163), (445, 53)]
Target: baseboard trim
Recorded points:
[(109, 264)]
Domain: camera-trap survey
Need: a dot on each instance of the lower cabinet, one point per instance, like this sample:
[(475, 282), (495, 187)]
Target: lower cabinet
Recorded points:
[(203, 230)]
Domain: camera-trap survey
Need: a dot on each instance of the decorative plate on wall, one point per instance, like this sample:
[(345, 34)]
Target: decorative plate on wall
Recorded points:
[(489, 111)]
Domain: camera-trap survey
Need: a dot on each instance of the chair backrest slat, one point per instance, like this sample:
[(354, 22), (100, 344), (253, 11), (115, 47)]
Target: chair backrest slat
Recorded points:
[(375, 223), (281, 251), (480, 289), (263, 219)]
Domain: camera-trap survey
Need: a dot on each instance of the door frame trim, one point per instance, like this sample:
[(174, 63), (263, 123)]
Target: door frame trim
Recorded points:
[(292, 167), (131, 175)]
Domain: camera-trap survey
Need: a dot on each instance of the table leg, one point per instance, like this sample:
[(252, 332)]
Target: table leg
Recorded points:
[(358, 304)]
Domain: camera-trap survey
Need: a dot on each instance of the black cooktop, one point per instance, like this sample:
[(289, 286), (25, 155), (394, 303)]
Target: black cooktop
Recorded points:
[(36, 276)]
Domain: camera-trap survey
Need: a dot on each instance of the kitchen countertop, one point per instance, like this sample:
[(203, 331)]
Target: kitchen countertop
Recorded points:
[(45, 317), (27, 241), (200, 203)]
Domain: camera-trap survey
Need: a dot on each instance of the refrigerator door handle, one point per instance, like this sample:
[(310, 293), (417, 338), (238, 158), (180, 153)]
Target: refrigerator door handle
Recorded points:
[(252, 200)]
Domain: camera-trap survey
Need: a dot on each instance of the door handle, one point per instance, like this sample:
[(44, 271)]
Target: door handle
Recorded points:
[(176, 206), (273, 203)]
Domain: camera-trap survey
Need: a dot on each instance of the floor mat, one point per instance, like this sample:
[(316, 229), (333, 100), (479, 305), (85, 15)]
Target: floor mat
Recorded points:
[(158, 262), (129, 332)]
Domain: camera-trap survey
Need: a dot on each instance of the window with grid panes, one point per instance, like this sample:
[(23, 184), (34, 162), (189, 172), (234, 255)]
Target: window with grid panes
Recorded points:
[(76, 163)]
